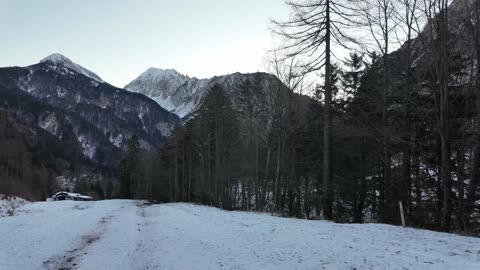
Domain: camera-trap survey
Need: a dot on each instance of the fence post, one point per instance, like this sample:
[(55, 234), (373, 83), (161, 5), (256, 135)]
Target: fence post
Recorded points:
[(401, 213)]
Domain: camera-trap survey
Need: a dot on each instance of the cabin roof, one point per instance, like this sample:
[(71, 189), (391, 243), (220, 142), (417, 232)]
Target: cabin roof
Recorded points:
[(71, 194)]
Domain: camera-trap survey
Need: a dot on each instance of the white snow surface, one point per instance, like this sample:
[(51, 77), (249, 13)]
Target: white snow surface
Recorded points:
[(166, 103), (181, 110), (10, 205), (153, 79), (123, 234), (59, 59)]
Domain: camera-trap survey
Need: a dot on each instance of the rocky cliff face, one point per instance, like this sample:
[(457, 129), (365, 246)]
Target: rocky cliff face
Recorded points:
[(183, 95), (153, 79)]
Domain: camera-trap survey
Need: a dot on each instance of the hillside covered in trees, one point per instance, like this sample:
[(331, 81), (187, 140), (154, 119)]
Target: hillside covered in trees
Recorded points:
[(295, 134), (385, 127), (368, 107)]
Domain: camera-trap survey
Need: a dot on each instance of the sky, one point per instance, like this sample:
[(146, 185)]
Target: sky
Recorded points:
[(120, 39)]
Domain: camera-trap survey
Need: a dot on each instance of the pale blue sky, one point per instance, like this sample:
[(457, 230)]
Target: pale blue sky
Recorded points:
[(119, 39)]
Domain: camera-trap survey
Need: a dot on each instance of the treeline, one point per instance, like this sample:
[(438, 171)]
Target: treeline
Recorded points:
[(382, 129), (267, 156), (31, 159), (32, 155), (25, 164)]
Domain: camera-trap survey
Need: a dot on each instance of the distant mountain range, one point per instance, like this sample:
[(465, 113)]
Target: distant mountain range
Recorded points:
[(116, 114), (182, 95), (82, 124), (65, 120)]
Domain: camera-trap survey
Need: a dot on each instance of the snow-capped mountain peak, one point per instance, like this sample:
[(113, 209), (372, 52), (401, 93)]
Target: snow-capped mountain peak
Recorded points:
[(61, 60), (159, 73), (168, 78), (159, 85), (182, 95), (56, 58)]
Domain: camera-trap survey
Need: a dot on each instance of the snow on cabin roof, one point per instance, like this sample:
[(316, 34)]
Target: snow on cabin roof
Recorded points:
[(71, 194)]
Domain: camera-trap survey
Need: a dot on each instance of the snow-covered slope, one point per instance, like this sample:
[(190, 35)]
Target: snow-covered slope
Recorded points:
[(58, 60), (9, 205), (182, 95), (121, 234), (153, 79), (116, 114), (160, 85)]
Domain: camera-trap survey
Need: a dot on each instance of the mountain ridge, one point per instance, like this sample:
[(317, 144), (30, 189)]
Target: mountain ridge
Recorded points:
[(182, 95), (92, 117), (58, 59)]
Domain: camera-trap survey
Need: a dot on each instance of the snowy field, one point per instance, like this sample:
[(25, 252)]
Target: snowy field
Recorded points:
[(122, 234), (9, 205)]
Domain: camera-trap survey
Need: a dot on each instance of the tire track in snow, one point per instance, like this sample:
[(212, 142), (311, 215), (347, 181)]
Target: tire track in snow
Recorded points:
[(145, 244), (70, 259)]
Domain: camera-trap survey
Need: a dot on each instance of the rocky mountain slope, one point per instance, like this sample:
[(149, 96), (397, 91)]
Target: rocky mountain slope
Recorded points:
[(71, 107), (182, 95), (57, 59), (115, 113)]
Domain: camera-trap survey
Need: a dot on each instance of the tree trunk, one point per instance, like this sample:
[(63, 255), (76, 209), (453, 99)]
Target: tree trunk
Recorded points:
[(327, 185), (277, 179)]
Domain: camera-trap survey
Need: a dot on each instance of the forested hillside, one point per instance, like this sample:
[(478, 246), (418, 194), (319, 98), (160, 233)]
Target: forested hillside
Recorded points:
[(252, 134), (63, 128), (385, 127), (368, 107)]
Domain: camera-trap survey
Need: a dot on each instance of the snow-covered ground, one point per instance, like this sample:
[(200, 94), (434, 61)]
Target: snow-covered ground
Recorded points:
[(10, 206), (122, 234)]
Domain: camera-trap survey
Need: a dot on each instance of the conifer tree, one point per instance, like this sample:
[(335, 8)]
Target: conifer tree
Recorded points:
[(130, 168)]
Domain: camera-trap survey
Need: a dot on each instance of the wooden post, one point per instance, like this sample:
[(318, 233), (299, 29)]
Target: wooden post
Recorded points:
[(401, 213)]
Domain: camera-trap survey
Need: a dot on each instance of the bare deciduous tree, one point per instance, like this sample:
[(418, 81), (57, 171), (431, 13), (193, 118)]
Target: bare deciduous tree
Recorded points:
[(312, 30)]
